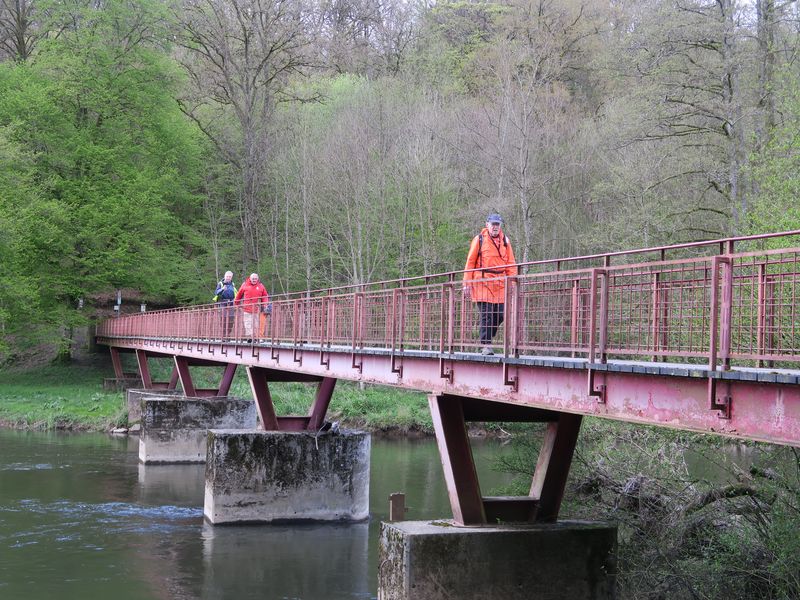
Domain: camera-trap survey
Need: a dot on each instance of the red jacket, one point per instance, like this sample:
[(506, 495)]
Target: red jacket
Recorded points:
[(496, 262), (252, 297)]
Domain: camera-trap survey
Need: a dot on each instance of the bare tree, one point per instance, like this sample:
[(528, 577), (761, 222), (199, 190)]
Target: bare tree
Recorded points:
[(18, 29), (239, 55), (522, 128), (690, 58), (367, 36)]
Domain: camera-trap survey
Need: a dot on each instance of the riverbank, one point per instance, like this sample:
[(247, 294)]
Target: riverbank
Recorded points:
[(59, 397), (71, 397)]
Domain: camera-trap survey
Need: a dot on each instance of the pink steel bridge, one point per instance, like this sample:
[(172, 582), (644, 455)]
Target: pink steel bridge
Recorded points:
[(700, 336)]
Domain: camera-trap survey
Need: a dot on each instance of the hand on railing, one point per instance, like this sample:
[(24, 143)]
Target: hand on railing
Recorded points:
[(467, 292)]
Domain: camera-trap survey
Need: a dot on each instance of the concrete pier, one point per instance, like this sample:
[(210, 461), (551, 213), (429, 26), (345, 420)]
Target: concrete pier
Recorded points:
[(429, 560), (134, 397), (281, 476), (175, 430)]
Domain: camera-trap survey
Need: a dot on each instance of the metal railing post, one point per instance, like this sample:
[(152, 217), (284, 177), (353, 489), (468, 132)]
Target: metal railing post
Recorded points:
[(656, 319), (726, 330), (451, 314), (761, 313), (603, 316), (575, 316), (509, 318), (713, 316), (592, 315)]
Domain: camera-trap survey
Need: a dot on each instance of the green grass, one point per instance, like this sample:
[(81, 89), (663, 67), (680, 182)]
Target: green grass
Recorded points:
[(59, 396), (374, 408)]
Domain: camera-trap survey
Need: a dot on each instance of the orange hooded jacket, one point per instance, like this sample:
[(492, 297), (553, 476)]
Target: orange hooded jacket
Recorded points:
[(495, 262)]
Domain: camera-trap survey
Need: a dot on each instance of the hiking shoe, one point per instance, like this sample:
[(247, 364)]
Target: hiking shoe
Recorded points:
[(487, 351)]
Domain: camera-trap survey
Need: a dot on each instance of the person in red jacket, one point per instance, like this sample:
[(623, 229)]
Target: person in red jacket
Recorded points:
[(253, 298), (490, 252)]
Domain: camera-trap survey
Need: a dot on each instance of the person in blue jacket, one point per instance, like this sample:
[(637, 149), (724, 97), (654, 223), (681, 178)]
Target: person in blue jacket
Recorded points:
[(223, 297)]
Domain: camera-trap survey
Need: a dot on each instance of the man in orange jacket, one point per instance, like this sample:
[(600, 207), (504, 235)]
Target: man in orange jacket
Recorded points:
[(253, 298), (491, 253)]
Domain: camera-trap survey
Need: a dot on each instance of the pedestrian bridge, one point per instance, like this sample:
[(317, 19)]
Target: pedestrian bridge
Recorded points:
[(700, 336)]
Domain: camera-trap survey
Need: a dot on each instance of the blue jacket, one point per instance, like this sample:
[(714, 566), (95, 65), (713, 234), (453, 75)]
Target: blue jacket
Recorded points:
[(225, 293)]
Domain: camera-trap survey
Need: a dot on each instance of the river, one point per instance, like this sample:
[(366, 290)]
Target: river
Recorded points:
[(81, 518)]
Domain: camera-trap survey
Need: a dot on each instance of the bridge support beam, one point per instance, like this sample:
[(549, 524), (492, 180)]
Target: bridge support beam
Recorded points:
[(450, 415), (148, 383), (421, 560), (260, 379), (175, 429), (180, 372), (116, 362), (121, 379), (552, 468), (280, 476)]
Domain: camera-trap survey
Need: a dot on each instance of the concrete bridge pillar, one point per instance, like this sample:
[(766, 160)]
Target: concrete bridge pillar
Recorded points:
[(296, 468), (175, 428), (429, 560), (285, 476), (134, 397)]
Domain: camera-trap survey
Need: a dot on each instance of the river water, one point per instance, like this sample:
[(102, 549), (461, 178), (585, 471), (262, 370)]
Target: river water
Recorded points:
[(81, 518)]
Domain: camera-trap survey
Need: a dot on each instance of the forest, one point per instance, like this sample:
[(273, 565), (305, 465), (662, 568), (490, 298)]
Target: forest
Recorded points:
[(151, 145)]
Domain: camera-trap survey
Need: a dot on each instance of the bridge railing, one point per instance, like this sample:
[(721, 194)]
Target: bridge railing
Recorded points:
[(720, 309)]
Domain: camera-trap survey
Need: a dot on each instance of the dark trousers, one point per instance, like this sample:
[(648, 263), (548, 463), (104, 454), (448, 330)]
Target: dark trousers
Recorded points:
[(228, 316), (491, 318)]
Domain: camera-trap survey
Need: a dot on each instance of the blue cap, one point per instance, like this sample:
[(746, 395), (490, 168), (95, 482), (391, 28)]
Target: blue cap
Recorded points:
[(494, 218)]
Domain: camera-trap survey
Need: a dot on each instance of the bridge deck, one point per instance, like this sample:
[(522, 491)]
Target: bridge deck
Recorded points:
[(702, 371)]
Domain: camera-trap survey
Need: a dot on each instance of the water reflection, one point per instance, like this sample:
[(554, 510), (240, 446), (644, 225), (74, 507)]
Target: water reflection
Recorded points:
[(305, 561), (163, 484)]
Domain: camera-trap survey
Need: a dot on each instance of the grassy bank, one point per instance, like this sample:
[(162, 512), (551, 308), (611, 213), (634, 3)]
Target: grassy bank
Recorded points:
[(72, 397), (61, 397)]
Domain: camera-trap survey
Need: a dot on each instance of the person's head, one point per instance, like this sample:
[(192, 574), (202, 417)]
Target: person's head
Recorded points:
[(228, 277), (493, 223), (254, 278)]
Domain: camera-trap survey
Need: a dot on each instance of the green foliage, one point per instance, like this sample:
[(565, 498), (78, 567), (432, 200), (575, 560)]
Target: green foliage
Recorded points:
[(776, 170), (455, 35), (17, 293), (71, 396), (99, 189), (374, 407)]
